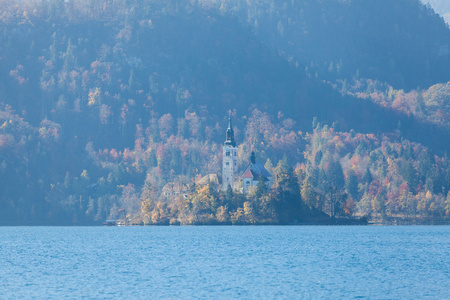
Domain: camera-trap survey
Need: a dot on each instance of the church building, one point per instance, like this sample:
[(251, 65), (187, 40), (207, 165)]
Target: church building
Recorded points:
[(252, 174), (229, 162)]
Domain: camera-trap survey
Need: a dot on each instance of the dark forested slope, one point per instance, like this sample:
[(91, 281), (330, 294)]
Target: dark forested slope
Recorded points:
[(103, 103), (401, 42)]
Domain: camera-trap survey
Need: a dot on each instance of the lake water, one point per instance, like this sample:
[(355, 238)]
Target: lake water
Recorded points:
[(220, 262)]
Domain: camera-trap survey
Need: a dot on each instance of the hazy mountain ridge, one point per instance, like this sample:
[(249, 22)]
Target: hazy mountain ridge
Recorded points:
[(442, 7)]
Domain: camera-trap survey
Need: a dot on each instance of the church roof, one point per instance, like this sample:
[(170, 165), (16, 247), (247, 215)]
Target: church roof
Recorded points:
[(176, 187), (207, 179), (250, 174), (255, 170)]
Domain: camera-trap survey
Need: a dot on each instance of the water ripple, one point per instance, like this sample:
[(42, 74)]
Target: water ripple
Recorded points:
[(284, 262)]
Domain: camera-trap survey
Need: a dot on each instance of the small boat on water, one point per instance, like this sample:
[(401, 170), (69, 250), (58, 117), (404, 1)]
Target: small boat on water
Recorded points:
[(109, 223)]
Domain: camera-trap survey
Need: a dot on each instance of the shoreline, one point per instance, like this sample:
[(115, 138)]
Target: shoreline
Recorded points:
[(330, 222)]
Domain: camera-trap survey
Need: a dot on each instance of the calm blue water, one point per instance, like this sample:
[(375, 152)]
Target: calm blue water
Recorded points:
[(291, 262)]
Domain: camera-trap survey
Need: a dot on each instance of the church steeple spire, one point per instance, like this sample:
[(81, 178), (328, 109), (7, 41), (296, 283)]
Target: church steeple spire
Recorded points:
[(230, 134), (229, 160), (253, 158)]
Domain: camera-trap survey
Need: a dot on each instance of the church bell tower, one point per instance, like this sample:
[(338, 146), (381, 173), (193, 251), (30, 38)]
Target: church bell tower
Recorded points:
[(229, 164)]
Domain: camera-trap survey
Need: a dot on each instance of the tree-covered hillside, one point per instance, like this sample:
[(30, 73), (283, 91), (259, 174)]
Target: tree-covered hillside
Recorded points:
[(102, 103), (401, 42)]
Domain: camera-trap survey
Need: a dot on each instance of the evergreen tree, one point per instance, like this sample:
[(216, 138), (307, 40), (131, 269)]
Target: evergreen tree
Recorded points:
[(367, 176), (175, 160), (318, 158), (152, 160), (335, 175), (351, 184), (409, 173), (290, 205), (261, 188), (334, 188), (229, 195), (308, 192), (425, 164)]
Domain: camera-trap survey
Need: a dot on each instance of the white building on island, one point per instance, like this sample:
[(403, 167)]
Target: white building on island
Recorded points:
[(252, 174), (229, 161)]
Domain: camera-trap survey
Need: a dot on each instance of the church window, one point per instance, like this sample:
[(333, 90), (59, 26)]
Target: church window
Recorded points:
[(227, 153), (227, 163)]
